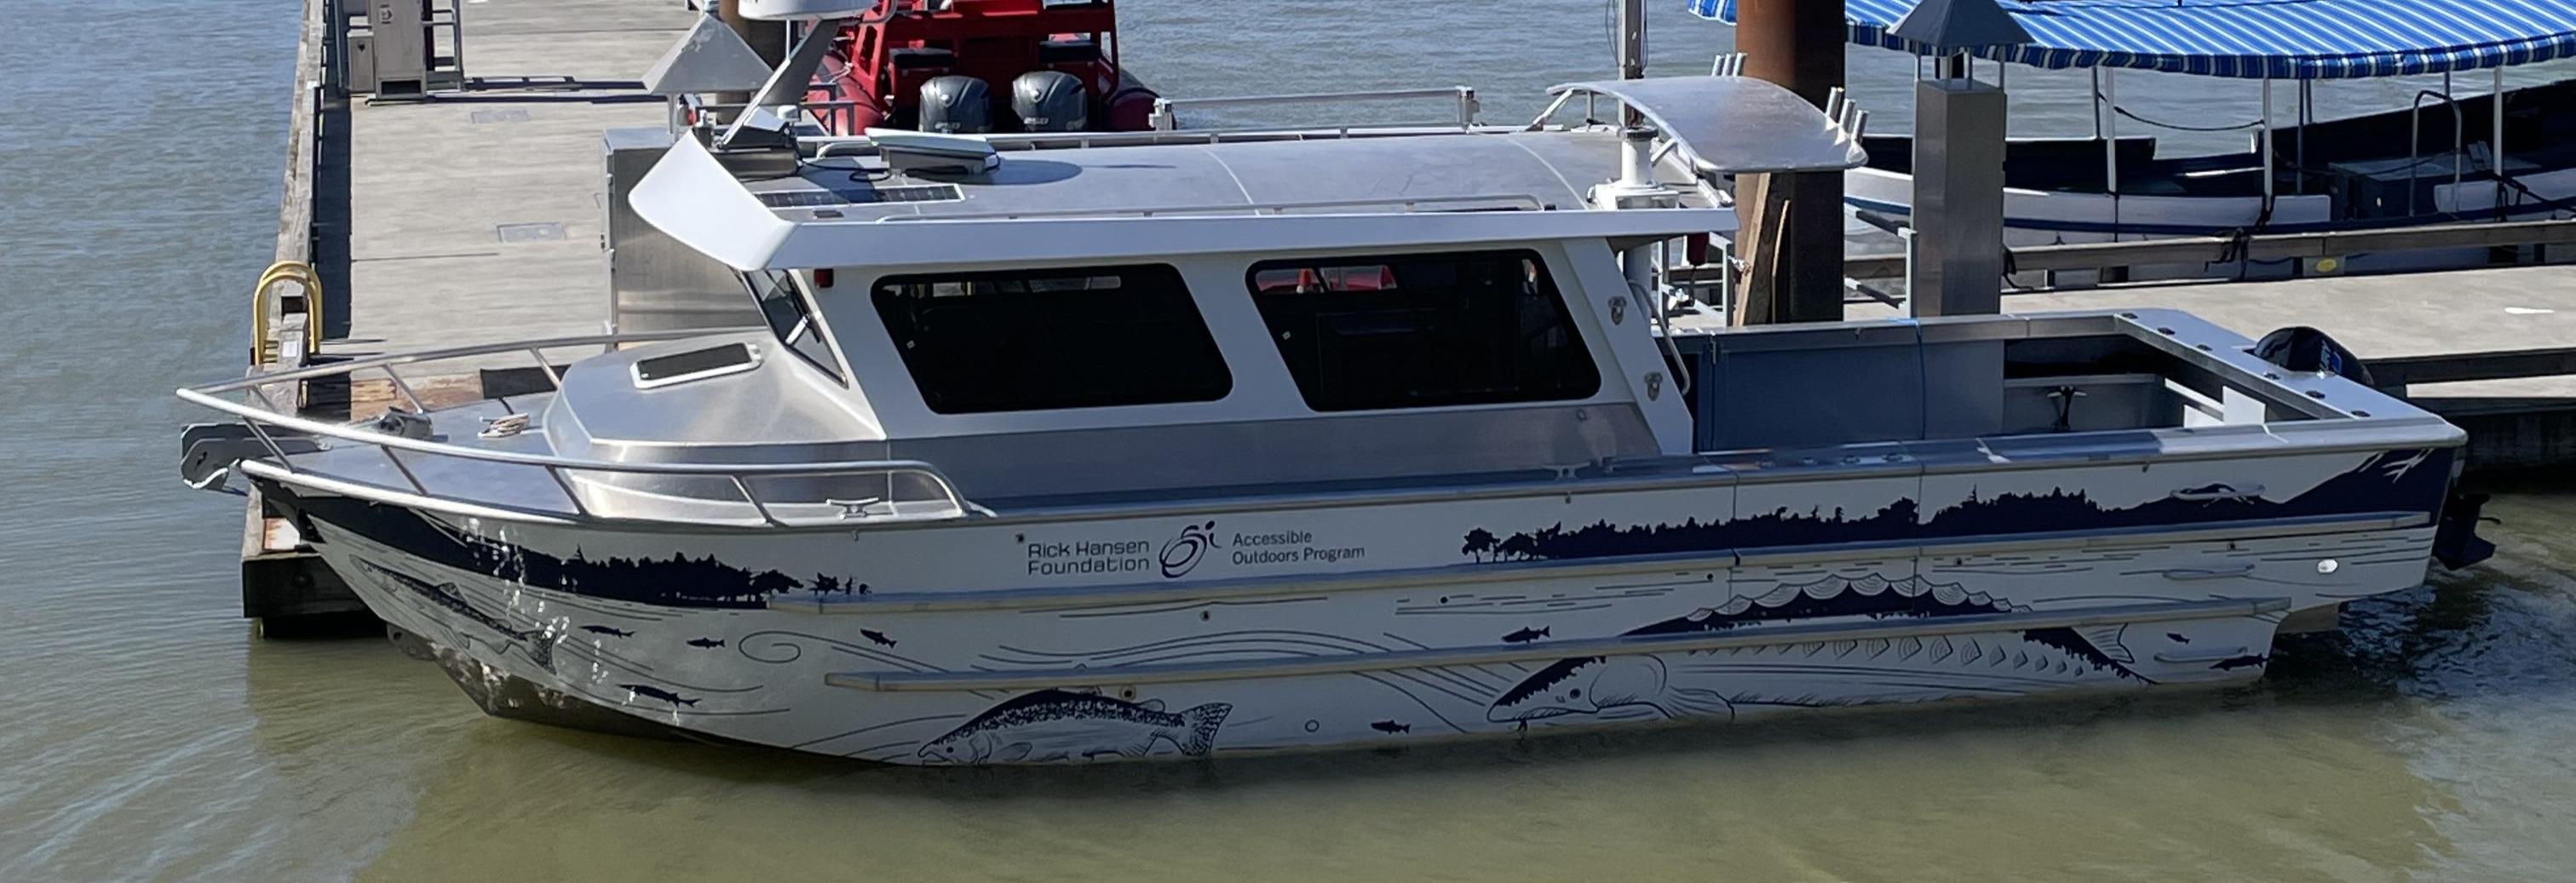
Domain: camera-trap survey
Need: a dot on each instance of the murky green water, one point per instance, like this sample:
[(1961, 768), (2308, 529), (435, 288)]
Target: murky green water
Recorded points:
[(149, 736)]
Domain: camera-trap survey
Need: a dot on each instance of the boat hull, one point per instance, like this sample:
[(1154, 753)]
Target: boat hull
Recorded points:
[(1264, 629)]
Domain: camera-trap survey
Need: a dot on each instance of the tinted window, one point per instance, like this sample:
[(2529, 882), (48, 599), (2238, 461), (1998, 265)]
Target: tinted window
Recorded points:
[(1035, 340), (791, 318), (1414, 331)]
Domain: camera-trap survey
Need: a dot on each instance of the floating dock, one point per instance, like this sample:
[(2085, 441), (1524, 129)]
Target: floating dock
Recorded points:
[(461, 217), (482, 213)]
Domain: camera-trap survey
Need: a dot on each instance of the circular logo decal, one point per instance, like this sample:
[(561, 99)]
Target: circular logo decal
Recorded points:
[(1183, 552)]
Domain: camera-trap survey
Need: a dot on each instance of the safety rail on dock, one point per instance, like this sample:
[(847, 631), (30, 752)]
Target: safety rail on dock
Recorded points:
[(2214, 251), (277, 427)]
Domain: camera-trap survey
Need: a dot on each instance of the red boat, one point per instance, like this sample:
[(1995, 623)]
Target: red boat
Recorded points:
[(972, 58)]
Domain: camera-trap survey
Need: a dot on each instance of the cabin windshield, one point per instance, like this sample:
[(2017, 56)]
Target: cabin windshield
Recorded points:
[(792, 319), (1423, 330)]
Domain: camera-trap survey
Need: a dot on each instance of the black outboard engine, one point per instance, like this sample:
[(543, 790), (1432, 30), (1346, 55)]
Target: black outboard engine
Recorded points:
[(1050, 101), (2301, 348), (956, 105), (2456, 543)]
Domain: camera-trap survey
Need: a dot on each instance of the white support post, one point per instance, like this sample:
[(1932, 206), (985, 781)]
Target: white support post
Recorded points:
[(2495, 141), (2266, 145), (1632, 39), (2096, 99), (2304, 108), (2111, 144)]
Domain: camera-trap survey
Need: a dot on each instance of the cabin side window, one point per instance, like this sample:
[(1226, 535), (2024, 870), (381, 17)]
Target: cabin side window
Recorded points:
[(792, 319), (1061, 338), (1414, 331)]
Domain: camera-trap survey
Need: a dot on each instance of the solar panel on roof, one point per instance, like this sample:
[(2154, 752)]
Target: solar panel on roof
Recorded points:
[(862, 195)]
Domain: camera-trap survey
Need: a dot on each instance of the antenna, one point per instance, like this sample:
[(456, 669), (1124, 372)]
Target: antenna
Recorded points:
[(787, 84)]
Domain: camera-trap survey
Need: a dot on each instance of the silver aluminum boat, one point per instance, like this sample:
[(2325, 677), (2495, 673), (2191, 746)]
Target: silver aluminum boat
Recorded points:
[(1175, 447)]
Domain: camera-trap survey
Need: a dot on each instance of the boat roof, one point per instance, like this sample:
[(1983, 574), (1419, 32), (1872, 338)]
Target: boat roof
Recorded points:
[(1168, 194), (1106, 204), (2252, 39), (1455, 171)]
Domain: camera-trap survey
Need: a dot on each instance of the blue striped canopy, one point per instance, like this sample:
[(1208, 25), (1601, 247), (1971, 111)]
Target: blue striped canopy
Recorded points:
[(2254, 39)]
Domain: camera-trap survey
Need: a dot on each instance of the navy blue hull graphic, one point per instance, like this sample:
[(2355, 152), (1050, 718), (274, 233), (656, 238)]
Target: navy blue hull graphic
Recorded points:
[(2236, 662), (540, 646), (649, 691), (1054, 725), (2413, 480), (1872, 596), (676, 581)]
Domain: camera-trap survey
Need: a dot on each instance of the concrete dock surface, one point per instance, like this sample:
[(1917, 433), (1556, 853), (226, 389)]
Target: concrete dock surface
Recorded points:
[(2413, 314), (478, 216)]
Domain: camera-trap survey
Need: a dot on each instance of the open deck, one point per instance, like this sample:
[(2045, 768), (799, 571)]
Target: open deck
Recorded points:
[(2511, 327)]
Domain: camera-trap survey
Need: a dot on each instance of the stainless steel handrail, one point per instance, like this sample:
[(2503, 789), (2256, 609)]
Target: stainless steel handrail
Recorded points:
[(2415, 143), (260, 418), (1164, 119), (1080, 140), (1409, 204)]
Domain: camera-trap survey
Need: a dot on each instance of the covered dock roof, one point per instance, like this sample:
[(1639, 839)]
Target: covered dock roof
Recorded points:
[(2254, 39)]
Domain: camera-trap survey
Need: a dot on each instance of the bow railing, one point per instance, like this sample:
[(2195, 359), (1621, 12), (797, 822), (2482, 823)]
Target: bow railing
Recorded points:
[(414, 464)]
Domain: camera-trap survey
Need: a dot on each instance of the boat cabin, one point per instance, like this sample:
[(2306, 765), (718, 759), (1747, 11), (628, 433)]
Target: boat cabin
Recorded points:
[(1243, 317), (1221, 317)]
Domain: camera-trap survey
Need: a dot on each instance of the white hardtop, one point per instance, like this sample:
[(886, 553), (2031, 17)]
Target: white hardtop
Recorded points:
[(1106, 203)]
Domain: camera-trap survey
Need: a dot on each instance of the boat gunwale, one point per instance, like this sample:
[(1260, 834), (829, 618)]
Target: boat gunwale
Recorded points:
[(1703, 474), (2335, 431)]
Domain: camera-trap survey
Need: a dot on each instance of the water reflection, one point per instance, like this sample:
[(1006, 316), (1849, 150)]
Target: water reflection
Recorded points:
[(2268, 783)]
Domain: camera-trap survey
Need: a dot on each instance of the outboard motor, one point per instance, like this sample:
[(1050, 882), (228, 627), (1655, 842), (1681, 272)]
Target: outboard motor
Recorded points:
[(2301, 348), (2456, 543), (956, 105), (1050, 101)]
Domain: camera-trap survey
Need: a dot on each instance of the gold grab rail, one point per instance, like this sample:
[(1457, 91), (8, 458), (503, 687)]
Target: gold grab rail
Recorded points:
[(263, 350)]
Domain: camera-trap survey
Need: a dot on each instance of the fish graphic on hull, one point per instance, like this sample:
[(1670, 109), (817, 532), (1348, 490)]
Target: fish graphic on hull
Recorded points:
[(539, 644), (1060, 725), (1595, 685)]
